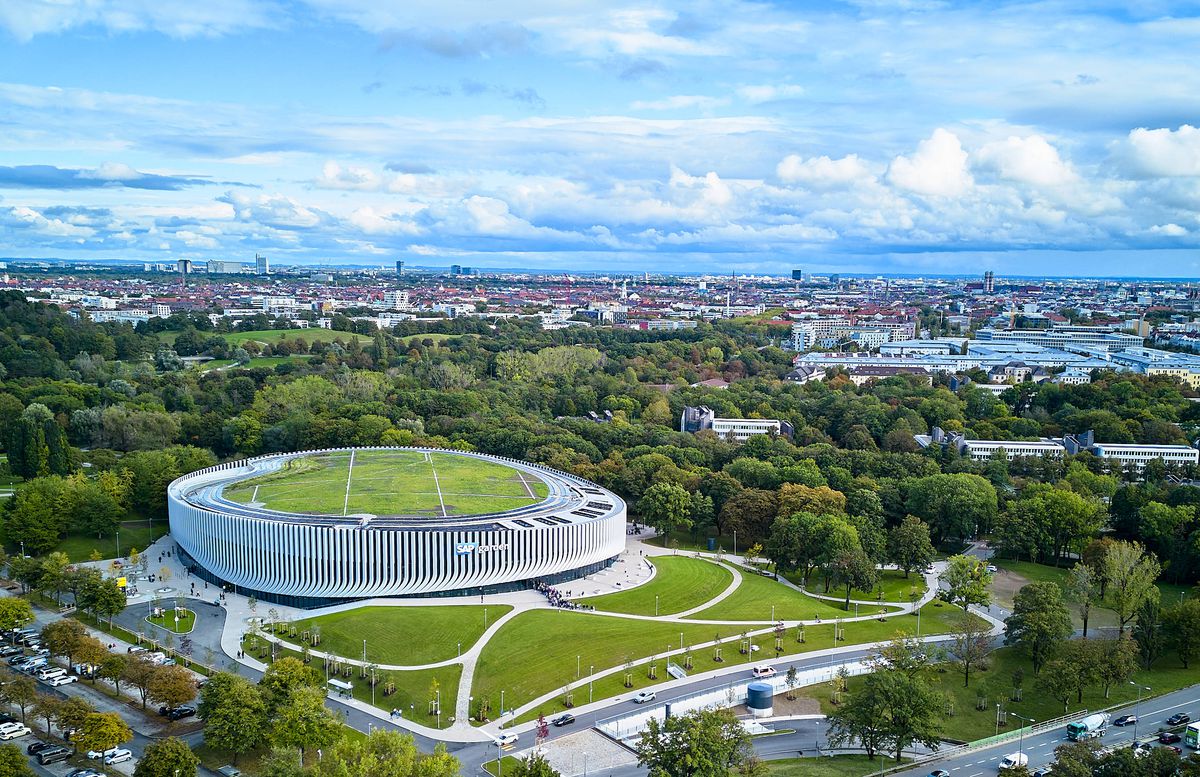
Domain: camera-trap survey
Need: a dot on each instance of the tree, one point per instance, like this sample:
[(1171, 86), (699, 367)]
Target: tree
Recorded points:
[(955, 506), (1083, 587), (910, 656), (140, 674), (171, 686), (972, 644), (1148, 633), (909, 546), (303, 721), (1038, 622), (385, 754), (1056, 681), (285, 676), (912, 712), (73, 712), (1181, 625), (112, 668), (534, 765), (704, 743), (103, 597), (54, 574), (21, 691), (862, 718), (1117, 662), (13, 762), (234, 714), (967, 581), (1131, 573), (62, 638), (1081, 663), (47, 708), (852, 569), (170, 757), (749, 513), (102, 731), (665, 506), (15, 613)]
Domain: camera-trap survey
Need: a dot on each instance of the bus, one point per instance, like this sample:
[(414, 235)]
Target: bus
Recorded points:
[(1191, 736)]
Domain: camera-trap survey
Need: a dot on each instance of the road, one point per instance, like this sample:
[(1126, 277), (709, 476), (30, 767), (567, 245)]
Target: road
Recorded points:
[(1040, 746)]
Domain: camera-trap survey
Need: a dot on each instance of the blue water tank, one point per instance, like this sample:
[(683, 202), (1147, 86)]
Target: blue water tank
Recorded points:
[(760, 699)]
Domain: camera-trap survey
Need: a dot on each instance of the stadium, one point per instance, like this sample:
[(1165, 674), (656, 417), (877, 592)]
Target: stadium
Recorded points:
[(315, 528)]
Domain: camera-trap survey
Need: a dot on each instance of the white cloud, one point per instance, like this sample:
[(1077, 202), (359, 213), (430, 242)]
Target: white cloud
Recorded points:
[(334, 176), (938, 168), (1168, 230), (1029, 160), (762, 93), (1165, 152), (27, 18), (679, 101), (822, 171)]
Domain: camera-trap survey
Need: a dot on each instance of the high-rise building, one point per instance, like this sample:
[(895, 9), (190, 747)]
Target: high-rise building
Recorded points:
[(797, 275), (989, 282), (456, 269), (261, 265), (835, 279), (399, 267)]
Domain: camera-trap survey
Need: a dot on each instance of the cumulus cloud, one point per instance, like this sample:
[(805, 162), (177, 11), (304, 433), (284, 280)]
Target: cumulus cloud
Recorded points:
[(1029, 160), (938, 168), (678, 102), (762, 93), (1168, 230), (822, 171), (1164, 152)]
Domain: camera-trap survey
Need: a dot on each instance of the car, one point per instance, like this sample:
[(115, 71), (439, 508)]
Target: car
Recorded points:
[(50, 672), (224, 771), (505, 739), (54, 682), (37, 746), (643, 696), (939, 773), (564, 719), (6, 718), (1013, 761), (117, 756), (1168, 738), (1178, 719), (85, 772), (179, 713), (11, 650), (13, 730), (992, 568), (53, 755), (1045, 771), (760, 672), (1125, 720), (94, 754), (1178, 750)]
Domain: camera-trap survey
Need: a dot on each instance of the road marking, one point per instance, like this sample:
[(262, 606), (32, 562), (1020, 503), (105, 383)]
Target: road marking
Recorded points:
[(437, 484), (349, 472), (525, 483)]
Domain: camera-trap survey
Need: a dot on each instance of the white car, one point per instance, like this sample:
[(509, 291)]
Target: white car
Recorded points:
[(643, 697), (118, 755), (13, 730), (54, 682), (505, 739), (763, 671), (992, 568), (94, 754), (1013, 760)]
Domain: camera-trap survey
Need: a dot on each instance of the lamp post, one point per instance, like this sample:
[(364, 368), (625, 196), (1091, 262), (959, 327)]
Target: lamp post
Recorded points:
[(997, 718), (502, 703), (1137, 708), (485, 619), (591, 671), (918, 621), (1021, 734), (576, 667), (656, 605), (585, 763), (372, 686), (735, 542), (438, 704)]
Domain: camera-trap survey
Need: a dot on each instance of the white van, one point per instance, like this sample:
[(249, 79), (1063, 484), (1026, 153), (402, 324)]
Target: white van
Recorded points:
[(1013, 760), (50, 672), (760, 672)]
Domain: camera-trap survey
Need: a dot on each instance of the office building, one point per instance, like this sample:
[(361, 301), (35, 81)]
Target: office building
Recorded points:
[(695, 419), (261, 265)]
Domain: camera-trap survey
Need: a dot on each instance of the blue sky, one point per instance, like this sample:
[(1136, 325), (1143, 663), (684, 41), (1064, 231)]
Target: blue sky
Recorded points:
[(871, 136)]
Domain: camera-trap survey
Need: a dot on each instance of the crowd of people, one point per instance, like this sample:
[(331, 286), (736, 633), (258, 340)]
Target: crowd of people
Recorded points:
[(559, 598)]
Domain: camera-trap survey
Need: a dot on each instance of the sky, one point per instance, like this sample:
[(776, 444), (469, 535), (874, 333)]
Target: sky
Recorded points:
[(869, 136)]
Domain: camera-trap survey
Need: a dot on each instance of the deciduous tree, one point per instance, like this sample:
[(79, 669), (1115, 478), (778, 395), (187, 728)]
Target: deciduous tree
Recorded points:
[(909, 546), (1039, 621), (704, 743), (170, 757)]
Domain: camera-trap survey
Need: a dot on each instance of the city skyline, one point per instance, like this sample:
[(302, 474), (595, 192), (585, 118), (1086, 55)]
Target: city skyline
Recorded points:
[(1030, 139)]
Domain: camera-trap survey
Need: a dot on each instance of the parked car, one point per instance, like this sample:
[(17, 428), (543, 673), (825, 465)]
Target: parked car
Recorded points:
[(643, 696), (1178, 719), (1178, 750), (179, 713), (13, 730), (1168, 738), (54, 755), (54, 682), (992, 568), (505, 739), (939, 773), (1125, 720), (224, 771), (96, 754), (50, 672), (564, 719), (119, 755), (1013, 760), (1045, 771), (85, 772), (33, 748)]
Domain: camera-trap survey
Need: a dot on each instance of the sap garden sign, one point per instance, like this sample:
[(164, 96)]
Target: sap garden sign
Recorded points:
[(467, 548)]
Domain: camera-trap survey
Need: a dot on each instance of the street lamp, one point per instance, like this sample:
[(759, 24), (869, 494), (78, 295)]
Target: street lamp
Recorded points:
[(1137, 707), (997, 718), (502, 703), (576, 667), (1021, 734), (460, 650), (656, 605), (735, 542), (585, 763)]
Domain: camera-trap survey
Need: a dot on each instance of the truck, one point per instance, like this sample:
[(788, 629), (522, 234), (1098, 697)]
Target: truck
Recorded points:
[(1088, 728), (1191, 736)]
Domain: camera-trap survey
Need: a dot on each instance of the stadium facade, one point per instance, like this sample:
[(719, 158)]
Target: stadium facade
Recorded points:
[(306, 560)]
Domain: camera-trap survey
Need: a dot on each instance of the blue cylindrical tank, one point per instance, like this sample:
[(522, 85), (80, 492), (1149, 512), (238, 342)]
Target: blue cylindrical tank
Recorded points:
[(760, 699)]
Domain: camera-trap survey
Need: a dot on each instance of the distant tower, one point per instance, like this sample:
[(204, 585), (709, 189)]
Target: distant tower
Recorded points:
[(400, 268), (797, 275), (625, 288), (989, 282), (261, 265), (456, 269)]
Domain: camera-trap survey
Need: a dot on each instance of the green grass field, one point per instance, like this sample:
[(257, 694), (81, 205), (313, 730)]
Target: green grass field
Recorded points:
[(1035, 573), (837, 766), (392, 483), (895, 587), (187, 621), (968, 724), (681, 583), (403, 635), (269, 336), (78, 547), (521, 661), (754, 598)]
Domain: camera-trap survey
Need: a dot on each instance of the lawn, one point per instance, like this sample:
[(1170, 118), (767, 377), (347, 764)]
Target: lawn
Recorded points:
[(407, 636), (187, 620), (392, 483), (313, 335), (754, 598), (895, 587), (1170, 593), (78, 546), (543, 666), (837, 766), (996, 684), (412, 688), (681, 583)]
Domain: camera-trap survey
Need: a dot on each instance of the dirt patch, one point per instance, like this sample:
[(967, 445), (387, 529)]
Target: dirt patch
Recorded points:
[(1005, 584)]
